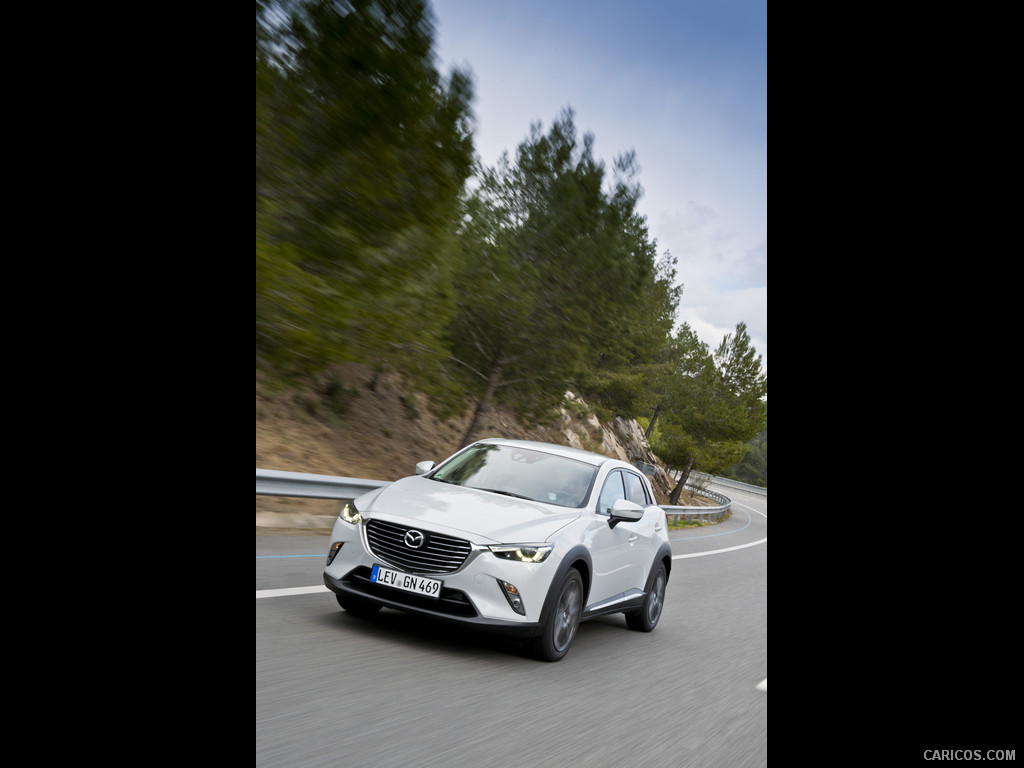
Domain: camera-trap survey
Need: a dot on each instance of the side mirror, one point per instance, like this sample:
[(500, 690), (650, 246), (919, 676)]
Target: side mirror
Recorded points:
[(424, 466), (625, 512)]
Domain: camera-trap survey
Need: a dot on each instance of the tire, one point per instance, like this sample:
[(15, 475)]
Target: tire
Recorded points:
[(357, 606), (647, 617), (560, 628)]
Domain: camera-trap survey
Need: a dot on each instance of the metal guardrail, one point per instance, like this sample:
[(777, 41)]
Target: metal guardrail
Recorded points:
[(736, 485), (706, 514), (270, 482)]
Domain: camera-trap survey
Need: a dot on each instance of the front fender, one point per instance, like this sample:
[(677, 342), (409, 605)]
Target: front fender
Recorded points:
[(578, 556)]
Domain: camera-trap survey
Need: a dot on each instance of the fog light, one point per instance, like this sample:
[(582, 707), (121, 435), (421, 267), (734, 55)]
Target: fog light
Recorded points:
[(335, 549), (512, 595)]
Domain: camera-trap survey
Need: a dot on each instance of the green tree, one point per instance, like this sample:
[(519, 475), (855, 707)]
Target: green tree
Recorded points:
[(753, 467), (555, 266), (713, 406), (623, 374), (363, 150)]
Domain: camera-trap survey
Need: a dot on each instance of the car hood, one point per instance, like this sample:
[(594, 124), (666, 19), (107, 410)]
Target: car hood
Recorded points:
[(481, 516)]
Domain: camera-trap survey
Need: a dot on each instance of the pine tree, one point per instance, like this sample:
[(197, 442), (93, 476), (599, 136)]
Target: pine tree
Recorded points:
[(555, 269)]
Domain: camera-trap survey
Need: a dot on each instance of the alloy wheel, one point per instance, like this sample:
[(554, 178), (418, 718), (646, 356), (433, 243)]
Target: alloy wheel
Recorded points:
[(567, 615), (657, 599)]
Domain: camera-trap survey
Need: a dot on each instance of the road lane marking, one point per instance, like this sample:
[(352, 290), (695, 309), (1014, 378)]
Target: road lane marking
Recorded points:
[(720, 551), (289, 591), (727, 549)]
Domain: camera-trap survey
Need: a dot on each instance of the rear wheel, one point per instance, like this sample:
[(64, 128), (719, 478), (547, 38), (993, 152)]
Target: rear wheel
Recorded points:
[(560, 628), (647, 617)]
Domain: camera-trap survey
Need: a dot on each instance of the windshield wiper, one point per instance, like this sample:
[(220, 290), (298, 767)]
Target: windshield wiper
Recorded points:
[(506, 493)]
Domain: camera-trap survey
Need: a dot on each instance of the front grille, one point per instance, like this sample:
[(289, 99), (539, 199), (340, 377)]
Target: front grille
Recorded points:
[(440, 554)]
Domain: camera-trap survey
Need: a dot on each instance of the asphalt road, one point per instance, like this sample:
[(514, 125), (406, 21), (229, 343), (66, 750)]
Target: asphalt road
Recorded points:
[(334, 690)]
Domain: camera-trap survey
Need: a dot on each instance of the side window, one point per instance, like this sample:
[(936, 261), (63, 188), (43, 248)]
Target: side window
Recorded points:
[(612, 492), (635, 490)]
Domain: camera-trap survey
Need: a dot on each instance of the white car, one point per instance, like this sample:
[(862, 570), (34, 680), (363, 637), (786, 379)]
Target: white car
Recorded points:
[(525, 538)]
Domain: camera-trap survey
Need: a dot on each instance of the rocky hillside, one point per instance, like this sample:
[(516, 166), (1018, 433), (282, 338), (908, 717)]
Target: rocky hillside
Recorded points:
[(370, 427)]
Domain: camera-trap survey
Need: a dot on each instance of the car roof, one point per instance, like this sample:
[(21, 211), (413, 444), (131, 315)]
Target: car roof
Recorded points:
[(559, 450)]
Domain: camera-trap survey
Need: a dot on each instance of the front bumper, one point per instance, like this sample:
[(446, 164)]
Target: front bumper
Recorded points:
[(471, 595), (453, 605)]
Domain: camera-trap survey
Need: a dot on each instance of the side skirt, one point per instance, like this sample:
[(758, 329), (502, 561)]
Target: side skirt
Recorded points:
[(632, 600)]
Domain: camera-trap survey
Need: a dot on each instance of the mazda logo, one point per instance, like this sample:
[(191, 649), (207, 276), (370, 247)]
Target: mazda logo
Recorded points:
[(415, 539)]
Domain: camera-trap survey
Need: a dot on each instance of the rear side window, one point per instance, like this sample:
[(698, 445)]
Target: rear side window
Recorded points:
[(635, 490)]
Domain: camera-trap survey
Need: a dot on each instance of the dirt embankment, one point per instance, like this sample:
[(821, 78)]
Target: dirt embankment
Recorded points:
[(371, 427)]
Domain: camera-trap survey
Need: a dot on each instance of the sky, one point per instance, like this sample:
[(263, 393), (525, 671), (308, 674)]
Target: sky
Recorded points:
[(684, 84)]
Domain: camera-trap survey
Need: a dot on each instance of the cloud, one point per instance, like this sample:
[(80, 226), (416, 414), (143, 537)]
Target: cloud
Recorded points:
[(724, 274), (684, 85)]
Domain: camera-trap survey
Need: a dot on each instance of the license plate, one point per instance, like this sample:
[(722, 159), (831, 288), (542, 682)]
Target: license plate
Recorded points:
[(406, 581)]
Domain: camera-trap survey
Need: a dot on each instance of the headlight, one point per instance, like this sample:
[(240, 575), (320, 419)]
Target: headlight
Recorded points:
[(522, 553), (350, 514)]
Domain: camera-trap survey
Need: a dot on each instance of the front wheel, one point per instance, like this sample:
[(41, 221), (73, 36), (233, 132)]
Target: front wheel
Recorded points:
[(647, 617), (560, 628)]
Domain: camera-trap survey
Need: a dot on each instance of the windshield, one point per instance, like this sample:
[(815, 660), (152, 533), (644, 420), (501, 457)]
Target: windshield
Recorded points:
[(521, 472)]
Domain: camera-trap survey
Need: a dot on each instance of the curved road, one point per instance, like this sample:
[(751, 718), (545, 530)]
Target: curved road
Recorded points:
[(398, 691)]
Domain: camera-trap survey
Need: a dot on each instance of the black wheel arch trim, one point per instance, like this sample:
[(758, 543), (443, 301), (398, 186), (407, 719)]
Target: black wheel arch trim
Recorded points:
[(576, 554), (664, 557)]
